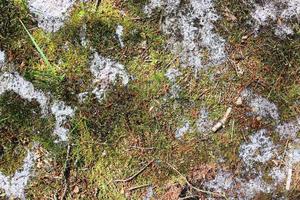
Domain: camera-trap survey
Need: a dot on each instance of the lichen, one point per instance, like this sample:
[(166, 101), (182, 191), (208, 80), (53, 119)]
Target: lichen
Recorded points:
[(50, 14), (204, 124), (194, 22), (14, 186), (260, 106), (16, 83), (289, 129), (260, 149), (119, 33), (270, 11), (106, 72), (62, 113), (182, 130), (2, 58)]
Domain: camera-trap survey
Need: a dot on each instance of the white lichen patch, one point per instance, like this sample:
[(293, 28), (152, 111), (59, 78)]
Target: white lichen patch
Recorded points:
[(15, 185), (279, 12), (238, 188), (16, 83), (191, 31), (283, 30), (260, 106), (2, 58), (50, 14), (223, 181), (62, 113), (182, 130), (278, 175), (82, 34), (204, 124), (260, 149), (149, 194), (249, 189), (172, 75), (168, 5), (106, 72), (119, 33), (82, 96), (263, 14), (289, 129)]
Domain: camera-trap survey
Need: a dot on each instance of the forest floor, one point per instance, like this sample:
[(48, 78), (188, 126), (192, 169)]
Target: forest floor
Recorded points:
[(156, 99)]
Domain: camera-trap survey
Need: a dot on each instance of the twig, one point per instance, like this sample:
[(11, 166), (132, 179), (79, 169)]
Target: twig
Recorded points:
[(223, 121), (135, 175), (289, 172), (97, 4), (195, 188), (188, 197), (142, 148), (66, 173), (138, 187)]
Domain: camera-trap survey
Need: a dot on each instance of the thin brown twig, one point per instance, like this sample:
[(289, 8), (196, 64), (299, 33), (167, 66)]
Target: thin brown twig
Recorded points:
[(134, 175), (138, 187), (66, 173), (189, 197), (195, 188)]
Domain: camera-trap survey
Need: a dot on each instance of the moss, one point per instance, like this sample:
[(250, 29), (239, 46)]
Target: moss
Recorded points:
[(134, 124), (20, 123)]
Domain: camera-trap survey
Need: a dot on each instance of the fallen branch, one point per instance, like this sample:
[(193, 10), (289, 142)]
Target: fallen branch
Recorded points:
[(195, 188), (223, 121), (135, 175)]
